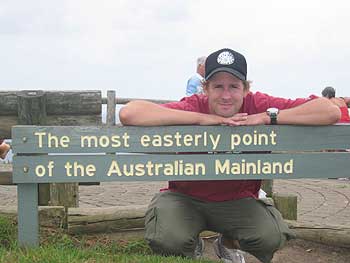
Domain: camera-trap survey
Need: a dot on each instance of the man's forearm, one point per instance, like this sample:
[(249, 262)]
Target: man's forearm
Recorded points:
[(319, 111), (144, 113)]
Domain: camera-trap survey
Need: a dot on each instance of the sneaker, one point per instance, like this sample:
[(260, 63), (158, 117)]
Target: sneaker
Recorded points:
[(344, 178), (227, 255), (198, 251)]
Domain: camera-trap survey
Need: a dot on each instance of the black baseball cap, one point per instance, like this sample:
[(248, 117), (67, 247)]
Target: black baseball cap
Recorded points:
[(226, 60)]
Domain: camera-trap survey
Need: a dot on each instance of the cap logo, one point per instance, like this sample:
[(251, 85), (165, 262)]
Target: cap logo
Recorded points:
[(226, 58)]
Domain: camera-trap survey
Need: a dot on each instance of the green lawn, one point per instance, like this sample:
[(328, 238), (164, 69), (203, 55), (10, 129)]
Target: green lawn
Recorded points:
[(57, 247)]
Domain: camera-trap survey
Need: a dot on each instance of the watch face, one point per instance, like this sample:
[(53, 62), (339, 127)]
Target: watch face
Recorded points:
[(273, 111)]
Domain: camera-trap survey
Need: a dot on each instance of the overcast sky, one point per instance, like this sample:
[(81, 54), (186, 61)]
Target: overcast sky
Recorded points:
[(148, 49)]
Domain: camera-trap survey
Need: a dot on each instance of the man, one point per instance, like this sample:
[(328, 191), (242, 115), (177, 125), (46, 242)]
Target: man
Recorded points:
[(177, 215), (194, 84)]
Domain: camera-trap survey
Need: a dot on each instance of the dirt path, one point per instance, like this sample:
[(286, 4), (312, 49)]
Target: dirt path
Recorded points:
[(297, 251)]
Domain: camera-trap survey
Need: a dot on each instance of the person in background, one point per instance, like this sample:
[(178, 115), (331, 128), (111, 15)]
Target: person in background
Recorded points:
[(342, 102), (4, 148), (177, 215), (194, 84)]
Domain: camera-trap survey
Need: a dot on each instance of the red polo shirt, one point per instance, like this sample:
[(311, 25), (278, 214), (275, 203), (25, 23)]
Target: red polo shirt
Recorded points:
[(224, 190), (345, 118)]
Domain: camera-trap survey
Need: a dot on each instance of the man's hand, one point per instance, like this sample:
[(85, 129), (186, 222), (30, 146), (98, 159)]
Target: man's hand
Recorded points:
[(210, 119), (239, 119), (235, 120), (255, 119)]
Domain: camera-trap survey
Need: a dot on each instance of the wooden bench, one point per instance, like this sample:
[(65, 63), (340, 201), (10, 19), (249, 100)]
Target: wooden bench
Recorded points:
[(102, 154), (37, 107)]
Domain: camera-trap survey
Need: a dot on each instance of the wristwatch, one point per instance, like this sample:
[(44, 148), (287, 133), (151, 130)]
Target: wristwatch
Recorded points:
[(273, 112)]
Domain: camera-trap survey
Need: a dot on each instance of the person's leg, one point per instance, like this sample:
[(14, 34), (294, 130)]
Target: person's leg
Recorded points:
[(173, 222), (258, 227)]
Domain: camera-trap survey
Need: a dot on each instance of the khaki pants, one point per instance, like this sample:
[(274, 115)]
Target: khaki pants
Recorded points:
[(174, 221)]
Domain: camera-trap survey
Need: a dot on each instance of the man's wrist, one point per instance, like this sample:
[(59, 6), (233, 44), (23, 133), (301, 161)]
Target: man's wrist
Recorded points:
[(266, 118)]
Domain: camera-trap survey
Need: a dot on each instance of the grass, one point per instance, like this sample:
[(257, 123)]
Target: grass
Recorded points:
[(58, 247)]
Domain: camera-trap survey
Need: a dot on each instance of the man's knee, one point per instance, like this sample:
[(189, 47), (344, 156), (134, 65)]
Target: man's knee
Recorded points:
[(272, 242), (170, 243), (263, 244), (166, 232)]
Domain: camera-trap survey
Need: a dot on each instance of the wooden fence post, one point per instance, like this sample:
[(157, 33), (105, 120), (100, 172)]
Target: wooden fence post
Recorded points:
[(267, 186), (111, 107), (32, 111), (287, 205)]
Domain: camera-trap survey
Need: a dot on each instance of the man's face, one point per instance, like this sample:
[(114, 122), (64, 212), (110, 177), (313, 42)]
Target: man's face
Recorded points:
[(225, 94)]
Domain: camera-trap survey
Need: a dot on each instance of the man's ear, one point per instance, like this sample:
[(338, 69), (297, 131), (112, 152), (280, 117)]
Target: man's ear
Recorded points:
[(246, 88), (245, 92)]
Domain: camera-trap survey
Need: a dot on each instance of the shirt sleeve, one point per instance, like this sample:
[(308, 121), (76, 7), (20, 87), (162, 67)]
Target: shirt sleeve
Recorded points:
[(192, 103), (264, 101)]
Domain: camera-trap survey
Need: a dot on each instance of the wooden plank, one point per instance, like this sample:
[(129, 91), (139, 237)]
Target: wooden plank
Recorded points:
[(126, 100), (74, 102), (74, 120), (163, 167), (106, 219), (338, 236), (58, 102), (7, 122), (6, 174), (49, 216), (181, 139), (28, 222), (8, 103)]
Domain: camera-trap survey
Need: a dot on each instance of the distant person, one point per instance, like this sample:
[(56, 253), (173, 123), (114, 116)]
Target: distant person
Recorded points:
[(4, 148), (341, 102), (194, 84)]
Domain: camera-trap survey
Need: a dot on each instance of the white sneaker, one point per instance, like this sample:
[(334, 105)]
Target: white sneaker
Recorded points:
[(198, 251), (227, 255)]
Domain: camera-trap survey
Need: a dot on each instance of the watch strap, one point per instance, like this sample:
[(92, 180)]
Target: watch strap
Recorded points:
[(273, 119)]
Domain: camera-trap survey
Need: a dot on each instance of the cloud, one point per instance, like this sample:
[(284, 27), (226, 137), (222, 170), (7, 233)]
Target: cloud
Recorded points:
[(38, 17), (114, 30), (148, 48)]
